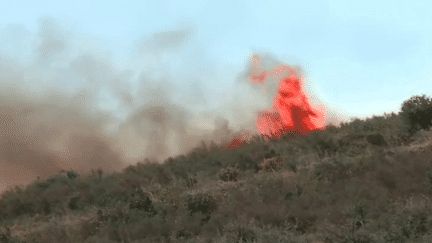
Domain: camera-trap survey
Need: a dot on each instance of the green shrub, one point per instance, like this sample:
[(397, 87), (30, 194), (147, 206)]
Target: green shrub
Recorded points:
[(352, 144), (202, 203), (20, 207), (191, 181), (163, 178), (212, 163), (169, 162), (331, 129), (184, 168), (141, 200), (244, 162), (429, 179), (245, 235), (229, 174), (172, 196), (291, 165), (376, 139), (183, 234), (417, 113), (333, 171), (69, 174), (357, 125), (99, 173), (270, 154), (320, 142), (272, 164), (74, 202), (5, 234)]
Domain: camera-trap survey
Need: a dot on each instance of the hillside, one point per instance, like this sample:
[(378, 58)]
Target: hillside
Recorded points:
[(365, 181)]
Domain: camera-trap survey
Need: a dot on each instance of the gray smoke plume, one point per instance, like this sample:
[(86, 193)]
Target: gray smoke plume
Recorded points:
[(46, 127)]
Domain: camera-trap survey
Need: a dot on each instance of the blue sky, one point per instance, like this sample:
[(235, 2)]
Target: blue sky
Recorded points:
[(191, 58), (361, 57)]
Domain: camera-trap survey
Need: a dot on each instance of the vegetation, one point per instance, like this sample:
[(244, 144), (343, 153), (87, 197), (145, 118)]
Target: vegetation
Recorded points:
[(365, 181)]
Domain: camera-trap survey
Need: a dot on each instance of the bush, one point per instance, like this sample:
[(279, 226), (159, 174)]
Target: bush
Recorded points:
[(69, 174), (417, 113), (5, 234), (244, 163), (272, 164), (172, 196), (229, 174), (204, 204), (245, 235), (376, 139), (320, 142), (141, 200), (191, 181), (270, 154), (183, 234), (429, 179), (184, 168), (163, 178)]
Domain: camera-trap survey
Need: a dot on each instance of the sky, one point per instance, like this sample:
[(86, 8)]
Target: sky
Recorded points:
[(84, 78)]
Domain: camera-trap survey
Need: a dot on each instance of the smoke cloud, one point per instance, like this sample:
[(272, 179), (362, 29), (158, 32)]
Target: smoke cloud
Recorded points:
[(52, 114)]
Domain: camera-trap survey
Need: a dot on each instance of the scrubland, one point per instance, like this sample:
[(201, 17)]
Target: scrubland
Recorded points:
[(363, 181)]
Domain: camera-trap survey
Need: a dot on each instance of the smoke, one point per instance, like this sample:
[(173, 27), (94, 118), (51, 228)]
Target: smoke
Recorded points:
[(52, 115)]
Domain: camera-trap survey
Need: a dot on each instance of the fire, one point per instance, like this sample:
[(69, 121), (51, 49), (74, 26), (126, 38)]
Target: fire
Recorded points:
[(291, 112)]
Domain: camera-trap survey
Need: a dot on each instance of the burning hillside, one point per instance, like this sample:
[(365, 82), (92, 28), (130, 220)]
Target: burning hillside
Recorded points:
[(291, 112), (52, 113)]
